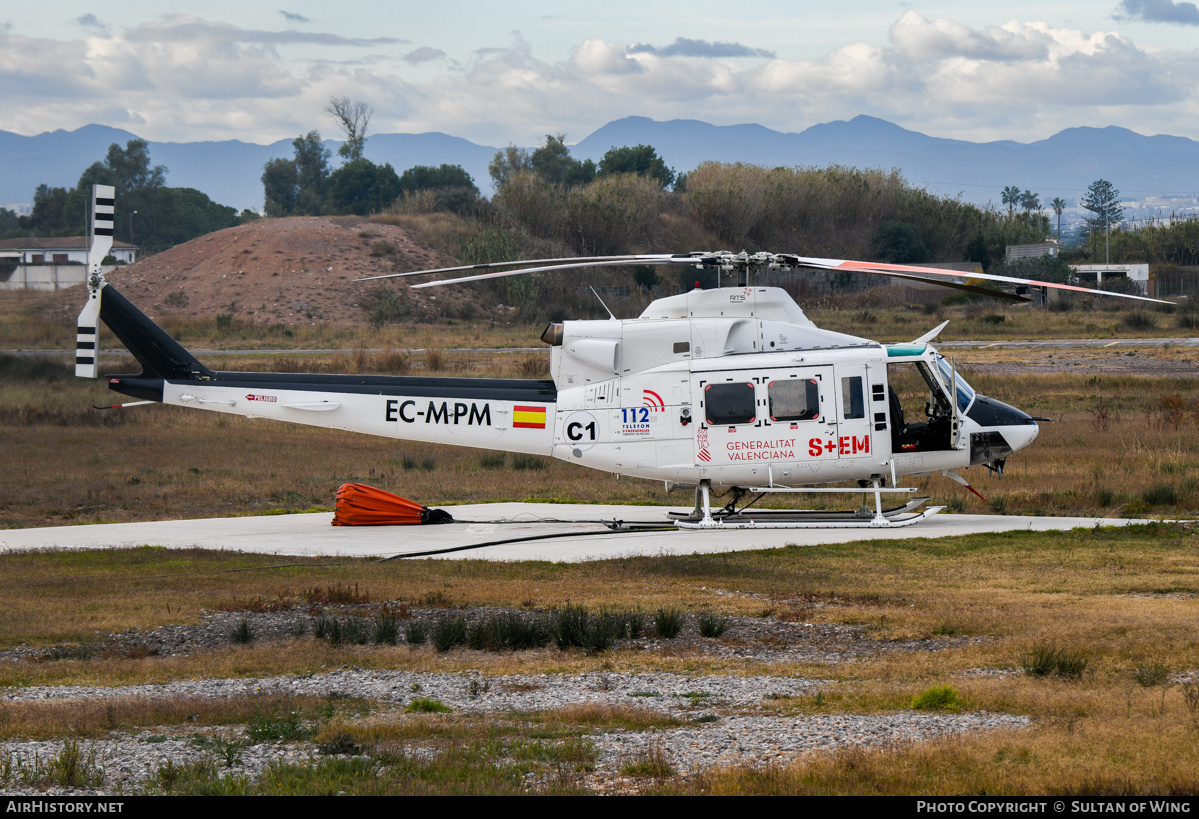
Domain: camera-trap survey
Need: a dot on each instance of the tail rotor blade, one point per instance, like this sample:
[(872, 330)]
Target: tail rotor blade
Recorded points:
[(87, 338)]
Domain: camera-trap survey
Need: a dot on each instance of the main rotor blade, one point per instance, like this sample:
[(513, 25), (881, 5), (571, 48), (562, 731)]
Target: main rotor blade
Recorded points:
[(884, 269), (972, 288), (519, 263), (641, 260)]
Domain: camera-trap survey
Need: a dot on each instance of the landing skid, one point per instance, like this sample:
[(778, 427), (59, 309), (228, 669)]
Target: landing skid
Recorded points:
[(702, 517)]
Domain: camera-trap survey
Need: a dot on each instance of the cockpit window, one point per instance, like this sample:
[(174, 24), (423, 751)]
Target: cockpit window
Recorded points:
[(964, 390)]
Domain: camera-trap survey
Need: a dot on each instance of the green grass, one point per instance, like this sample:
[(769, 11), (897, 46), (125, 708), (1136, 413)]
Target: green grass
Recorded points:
[(938, 698), (426, 705)]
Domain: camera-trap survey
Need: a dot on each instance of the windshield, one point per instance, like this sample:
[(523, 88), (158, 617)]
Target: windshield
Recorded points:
[(965, 392)]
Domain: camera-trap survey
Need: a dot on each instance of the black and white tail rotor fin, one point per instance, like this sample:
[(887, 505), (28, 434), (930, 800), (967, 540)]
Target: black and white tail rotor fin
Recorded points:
[(87, 340)]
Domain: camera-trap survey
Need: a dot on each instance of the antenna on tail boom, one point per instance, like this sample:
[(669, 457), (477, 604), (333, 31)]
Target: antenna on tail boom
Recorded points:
[(87, 339)]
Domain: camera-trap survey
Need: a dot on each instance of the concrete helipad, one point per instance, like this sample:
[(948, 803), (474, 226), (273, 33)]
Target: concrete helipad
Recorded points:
[(583, 537)]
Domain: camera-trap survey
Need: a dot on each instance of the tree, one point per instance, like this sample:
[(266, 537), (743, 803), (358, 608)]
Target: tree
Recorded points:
[(1030, 201), (899, 243), (49, 216), (553, 163), (1058, 204), (171, 216), (297, 186), (426, 177), (281, 187), (10, 224), (1103, 200), (352, 117), (362, 187), (452, 189), (129, 170), (312, 171), (507, 163), (642, 160), (1011, 198)]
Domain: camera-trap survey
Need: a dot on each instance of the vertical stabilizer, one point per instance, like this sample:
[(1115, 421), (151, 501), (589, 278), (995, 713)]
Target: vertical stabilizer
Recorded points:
[(87, 339)]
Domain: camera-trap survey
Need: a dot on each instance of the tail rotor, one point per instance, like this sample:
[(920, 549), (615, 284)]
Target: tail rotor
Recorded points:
[(87, 339)]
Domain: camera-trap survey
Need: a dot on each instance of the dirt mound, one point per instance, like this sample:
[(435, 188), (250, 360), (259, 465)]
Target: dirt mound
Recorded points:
[(281, 271)]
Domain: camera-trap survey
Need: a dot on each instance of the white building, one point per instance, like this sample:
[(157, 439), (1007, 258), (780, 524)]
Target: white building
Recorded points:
[(52, 263), (1086, 274), (61, 250)]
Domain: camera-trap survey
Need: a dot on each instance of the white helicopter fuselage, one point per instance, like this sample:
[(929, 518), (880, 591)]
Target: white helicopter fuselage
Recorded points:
[(732, 387)]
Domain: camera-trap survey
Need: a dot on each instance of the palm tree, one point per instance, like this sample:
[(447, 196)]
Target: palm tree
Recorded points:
[(1058, 204), (1011, 198), (1030, 201)]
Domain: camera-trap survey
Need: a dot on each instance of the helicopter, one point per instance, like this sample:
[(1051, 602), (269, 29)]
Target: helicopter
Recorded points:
[(731, 388)]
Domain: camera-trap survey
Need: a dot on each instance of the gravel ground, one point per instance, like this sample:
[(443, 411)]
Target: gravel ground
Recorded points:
[(714, 734), (725, 719)]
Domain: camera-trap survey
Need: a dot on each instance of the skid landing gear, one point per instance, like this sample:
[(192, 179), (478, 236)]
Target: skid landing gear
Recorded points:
[(730, 517)]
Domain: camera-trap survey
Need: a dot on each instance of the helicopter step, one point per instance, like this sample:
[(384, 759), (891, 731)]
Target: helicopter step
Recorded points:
[(702, 517)]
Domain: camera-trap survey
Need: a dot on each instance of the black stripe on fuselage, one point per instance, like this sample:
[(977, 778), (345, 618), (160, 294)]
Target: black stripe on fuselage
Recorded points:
[(522, 390), (498, 389)]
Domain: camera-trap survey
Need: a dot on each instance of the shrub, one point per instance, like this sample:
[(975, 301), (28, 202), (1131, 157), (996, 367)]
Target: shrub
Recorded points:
[(448, 632), (416, 633), (1139, 320), (176, 298), (567, 626), (326, 628), (493, 460), (387, 629), (668, 622), (573, 626), (507, 631), (938, 698), (712, 625), (242, 633), (1151, 675), (342, 743), (1045, 659), (276, 725), (1160, 495)]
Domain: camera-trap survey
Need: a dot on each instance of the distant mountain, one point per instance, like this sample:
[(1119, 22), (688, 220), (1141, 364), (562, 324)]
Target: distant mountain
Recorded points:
[(230, 172), (1062, 165)]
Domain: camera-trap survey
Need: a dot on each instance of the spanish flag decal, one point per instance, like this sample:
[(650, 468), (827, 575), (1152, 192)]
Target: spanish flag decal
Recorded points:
[(528, 417)]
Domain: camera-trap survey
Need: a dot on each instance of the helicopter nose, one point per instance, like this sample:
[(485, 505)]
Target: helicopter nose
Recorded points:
[(1019, 436), (1003, 430)]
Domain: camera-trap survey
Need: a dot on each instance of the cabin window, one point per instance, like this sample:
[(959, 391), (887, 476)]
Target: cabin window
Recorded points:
[(853, 399), (682, 347), (796, 399), (727, 404)]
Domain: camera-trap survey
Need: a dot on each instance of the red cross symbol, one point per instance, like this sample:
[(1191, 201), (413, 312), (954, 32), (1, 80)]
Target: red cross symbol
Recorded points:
[(830, 446)]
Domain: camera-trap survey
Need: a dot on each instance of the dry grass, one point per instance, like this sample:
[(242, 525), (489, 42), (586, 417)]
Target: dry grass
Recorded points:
[(1123, 596), (1085, 754), (1126, 598), (97, 717)]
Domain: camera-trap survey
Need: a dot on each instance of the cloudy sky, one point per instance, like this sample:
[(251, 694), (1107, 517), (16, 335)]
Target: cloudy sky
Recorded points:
[(496, 73)]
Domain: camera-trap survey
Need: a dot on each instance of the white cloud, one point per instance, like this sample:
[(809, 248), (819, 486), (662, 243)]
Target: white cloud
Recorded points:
[(187, 78), (925, 41)]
